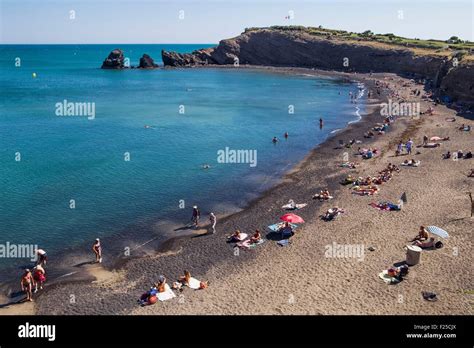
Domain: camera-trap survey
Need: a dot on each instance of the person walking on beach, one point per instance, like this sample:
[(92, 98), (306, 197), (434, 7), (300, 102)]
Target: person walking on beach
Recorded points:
[(27, 283), (97, 250), (409, 146), (213, 220), (196, 216), (39, 276), (399, 149)]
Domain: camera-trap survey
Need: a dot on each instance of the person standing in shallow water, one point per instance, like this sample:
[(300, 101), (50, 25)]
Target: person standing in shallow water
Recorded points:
[(196, 216), (97, 250), (213, 220), (320, 123)]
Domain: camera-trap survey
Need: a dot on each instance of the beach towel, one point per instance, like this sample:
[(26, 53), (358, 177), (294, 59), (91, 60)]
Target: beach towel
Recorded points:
[(387, 279), (278, 225), (241, 238), (247, 245), (411, 164), (284, 242), (194, 283), (294, 207), (168, 294), (385, 206)]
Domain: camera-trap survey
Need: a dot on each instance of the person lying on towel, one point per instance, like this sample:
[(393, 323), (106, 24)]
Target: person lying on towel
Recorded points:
[(323, 195), (236, 236), (286, 230), (428, 244), (185, 280), (333, 213)]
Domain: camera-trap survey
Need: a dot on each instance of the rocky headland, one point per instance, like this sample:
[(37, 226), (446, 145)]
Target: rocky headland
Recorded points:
[(448, 70)]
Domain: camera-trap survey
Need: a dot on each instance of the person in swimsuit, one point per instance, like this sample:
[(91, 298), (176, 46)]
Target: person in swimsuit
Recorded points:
[(286, 135), (97, 250), (213, 220), (27, 283), (196, 216), (275, 140), (39, 277), (41, 257), (256, 237), (422, 234)]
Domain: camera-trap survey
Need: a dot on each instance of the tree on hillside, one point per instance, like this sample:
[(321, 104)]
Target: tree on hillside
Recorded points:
[(367, 33)]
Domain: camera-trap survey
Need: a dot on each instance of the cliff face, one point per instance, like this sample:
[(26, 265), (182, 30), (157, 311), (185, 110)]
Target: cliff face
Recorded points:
[(299, 49)]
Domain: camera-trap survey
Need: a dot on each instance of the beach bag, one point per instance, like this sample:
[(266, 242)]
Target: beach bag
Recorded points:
[(439, 245), (403, 271)]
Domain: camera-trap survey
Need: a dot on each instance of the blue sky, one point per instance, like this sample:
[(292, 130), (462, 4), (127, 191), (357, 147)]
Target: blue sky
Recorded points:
[(208, 21)]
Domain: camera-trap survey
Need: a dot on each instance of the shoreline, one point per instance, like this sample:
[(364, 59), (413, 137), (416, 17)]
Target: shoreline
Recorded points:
[(173, 226), (201, 257)]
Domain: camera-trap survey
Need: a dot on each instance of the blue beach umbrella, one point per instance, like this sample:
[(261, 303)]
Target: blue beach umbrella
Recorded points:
[(437, 231)]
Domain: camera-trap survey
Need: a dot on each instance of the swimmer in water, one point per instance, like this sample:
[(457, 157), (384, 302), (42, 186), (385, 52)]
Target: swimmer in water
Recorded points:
[(275, 140), (206, 166), (286, 135), (147, 126), (320, 123)]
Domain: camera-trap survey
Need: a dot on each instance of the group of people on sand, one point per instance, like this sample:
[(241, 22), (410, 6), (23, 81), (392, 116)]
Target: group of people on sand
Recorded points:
[(457, 155), (34, 279), (196, 215), (161, 286), (408, 146), (238, 237)]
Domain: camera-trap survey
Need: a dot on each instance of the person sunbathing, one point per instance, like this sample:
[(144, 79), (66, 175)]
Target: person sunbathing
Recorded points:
[(447, 155), (145, 297), (323, 195), (286, 230), (184, 280), (236, 236), (257, 237), (427, 244), (422, 234), (369, 134), (333, 213), (160, 286), (468, 155), (348, 180), (436, 138)]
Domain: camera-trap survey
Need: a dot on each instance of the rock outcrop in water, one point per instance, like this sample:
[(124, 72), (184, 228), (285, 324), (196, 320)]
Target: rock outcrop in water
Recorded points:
[(146, 62), (297, 48), (115, 60)]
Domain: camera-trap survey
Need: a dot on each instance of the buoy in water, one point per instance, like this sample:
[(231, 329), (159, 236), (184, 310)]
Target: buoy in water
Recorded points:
[(34, 75)]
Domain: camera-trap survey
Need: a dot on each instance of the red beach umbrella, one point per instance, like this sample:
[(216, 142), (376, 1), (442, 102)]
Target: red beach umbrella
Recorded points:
[(293, 218)]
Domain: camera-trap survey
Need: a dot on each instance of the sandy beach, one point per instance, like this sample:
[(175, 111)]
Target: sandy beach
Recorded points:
[(299, 278)]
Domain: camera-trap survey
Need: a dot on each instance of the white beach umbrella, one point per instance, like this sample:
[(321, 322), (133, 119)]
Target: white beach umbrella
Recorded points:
[(437, 231)]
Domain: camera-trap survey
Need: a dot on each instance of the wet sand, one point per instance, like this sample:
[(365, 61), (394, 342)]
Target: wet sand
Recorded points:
[(299, 279)]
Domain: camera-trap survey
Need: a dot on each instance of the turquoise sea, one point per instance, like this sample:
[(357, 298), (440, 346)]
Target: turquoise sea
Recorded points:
[(65, 181)]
